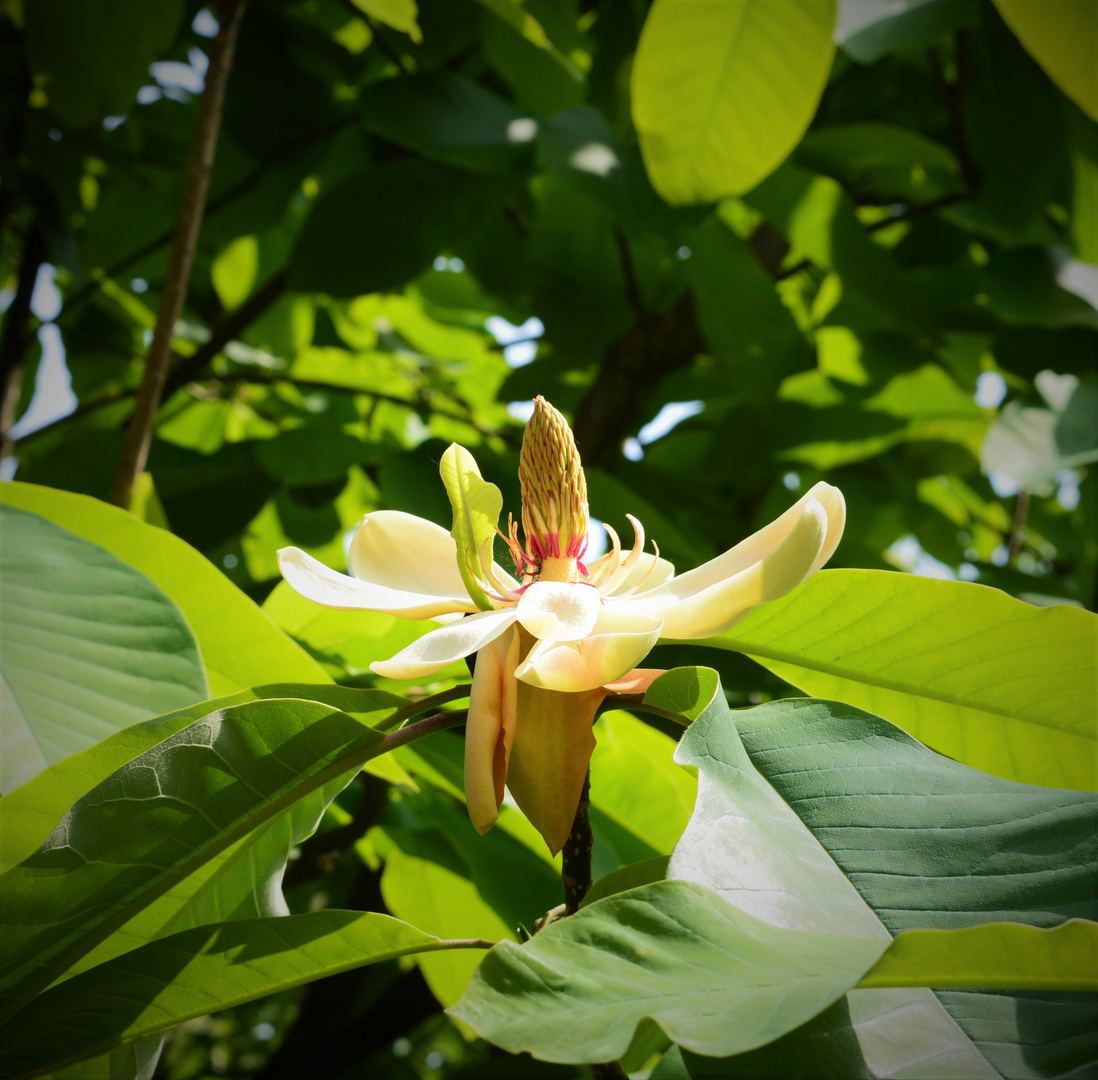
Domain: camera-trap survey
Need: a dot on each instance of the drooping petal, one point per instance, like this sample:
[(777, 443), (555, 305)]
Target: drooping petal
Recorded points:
[(643, 570), (440, 648), (620, 640), (558, 611), (691, 612), (549, 757), (402, 551), (317, 582), (762, 543), (490, 729)]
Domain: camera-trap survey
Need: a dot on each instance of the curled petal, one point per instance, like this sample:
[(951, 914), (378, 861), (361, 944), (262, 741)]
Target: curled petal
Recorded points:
[(549, 757), (440, 648), (402, 551), (691, 612), (558, 611), (317, 582), (620, 640), (490, 729)]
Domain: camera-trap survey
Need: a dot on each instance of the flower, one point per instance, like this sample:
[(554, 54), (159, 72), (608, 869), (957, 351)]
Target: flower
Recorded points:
[(552, 642)]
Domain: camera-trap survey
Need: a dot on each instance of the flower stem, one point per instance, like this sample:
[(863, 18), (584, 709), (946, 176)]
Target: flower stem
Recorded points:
[(576, 872)]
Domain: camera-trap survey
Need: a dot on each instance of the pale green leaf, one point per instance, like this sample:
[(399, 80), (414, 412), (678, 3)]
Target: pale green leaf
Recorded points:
[(198, 972), (714, 978), (477, 505), (724, 89), (970, 671), (88, 645), (240, 645), (1062, 36), (1006, 956), (160, 817), (399, 14), (632, 876)]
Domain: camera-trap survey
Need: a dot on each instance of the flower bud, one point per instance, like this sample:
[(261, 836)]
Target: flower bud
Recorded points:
[(554, 495)]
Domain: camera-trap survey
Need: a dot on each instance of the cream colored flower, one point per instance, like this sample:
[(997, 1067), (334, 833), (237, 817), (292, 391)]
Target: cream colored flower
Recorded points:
[(550, 642)]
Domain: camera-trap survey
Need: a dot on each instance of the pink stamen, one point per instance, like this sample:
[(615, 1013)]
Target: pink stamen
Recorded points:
[(554, 542), (539, 551), (522, 588), (583, 569)]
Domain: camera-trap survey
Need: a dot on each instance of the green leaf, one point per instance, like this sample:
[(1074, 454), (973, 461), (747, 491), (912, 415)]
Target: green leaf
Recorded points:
[(94, 56), (160, 817), (722, 92), (88, 645), (1061, 36), (975, 674), (477, 505), (376, 229), (29, 814), (194, 973), (240, 645), (746, 842), (627, 877), (443, 116), (929, 842), (868, 29), (714, 978), (399, 14), (1006, 956)]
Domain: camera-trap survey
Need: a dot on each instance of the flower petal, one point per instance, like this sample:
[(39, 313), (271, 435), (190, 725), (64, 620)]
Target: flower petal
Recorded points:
[(762, 543), (620, 641), (643, 571), (402, 551), (698, 613), (558, 611), (440, 648), (317, 582), (549, 757), (490, 729)]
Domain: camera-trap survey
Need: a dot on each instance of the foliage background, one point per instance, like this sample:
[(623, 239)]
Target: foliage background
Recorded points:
[(422, 216)]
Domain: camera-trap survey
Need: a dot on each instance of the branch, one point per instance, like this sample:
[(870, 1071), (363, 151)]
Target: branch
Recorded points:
[(139, 433), (212, 207), (191, 367), (575, 875), (383, 42), (14, 339)]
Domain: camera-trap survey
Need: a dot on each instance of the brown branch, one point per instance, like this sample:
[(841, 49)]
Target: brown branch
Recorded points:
[(14, 339), (632, 286), (575, 876), (232, 326), (139, 433), (921, 209), (633, 366), (1018, 528), (276, 157)]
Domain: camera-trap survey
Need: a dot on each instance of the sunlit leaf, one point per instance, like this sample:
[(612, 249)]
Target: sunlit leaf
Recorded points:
[(90, 645), (724, 89)]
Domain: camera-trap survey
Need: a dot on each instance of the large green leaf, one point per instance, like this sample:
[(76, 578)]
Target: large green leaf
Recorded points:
[(240, 646), (989, 680), (87, 646), (94, 56), (724, 89), (1062, 35), (996, 956), (160, 817), (746, 842), (198, 972), (714, 978), (929, 842)]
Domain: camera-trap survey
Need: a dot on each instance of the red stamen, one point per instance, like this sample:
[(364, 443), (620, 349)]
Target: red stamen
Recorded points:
[(583, 569)]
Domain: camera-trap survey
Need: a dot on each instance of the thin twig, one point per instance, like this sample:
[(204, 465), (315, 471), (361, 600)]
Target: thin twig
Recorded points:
[(192, 367), (383, 42), (13, 341), (629, 274), (139, 433), (401, 717), (921, 209), (1018, 529), (575, 876)]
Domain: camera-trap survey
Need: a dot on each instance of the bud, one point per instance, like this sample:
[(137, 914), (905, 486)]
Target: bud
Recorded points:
[(554, 496)]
